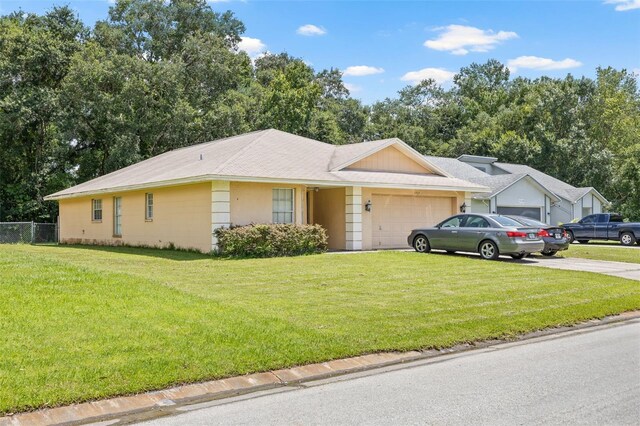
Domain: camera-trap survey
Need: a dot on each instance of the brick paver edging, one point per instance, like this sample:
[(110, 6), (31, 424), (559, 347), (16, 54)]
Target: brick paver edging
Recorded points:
[(115, 408)]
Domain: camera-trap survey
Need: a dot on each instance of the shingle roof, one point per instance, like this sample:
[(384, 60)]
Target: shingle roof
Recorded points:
[(496, 183), (456, 168), (513, 173), (558, 187), (269, 155), (346, 153)]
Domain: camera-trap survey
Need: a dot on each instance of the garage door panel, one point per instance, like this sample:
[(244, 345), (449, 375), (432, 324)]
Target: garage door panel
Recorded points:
[(394, 216)]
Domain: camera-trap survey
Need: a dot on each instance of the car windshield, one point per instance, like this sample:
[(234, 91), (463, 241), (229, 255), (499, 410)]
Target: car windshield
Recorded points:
[(506, 221), (529, 222)]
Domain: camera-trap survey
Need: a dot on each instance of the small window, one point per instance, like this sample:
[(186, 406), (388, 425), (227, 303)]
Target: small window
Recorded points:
[(616, 218), (117, 216), (148, 211), (454, 222), (96, 210), (282, 205), (589, 220), (476, 222)]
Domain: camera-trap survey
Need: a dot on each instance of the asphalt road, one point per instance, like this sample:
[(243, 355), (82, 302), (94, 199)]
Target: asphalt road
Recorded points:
[(590, 376)]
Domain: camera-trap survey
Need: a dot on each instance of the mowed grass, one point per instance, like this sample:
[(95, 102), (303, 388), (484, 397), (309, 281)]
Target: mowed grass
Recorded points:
[(602, 252), (80, 323)]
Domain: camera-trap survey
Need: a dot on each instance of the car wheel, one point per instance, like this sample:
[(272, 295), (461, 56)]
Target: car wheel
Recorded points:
[(549, 253), (627, 239), (570, 237), (488, 250), (421, 244), (583, 241), (518, 256)]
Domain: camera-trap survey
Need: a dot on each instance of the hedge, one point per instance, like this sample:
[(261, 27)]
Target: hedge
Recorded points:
[(271, 240)]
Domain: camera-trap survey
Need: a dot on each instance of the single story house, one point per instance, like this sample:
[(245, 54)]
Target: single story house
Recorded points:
[(367, 195), (521, 190)]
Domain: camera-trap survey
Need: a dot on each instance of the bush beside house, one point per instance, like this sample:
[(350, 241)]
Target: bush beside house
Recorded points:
[(271, 240)]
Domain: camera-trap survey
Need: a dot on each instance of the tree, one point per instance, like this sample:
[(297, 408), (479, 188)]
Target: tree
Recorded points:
[(156, 30), (290, 99), (35, 54)]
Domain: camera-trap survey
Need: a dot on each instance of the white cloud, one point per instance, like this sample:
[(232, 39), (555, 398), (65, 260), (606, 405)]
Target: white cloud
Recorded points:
[(361, 70), (624, 5), (439, 75), (253, 46), (461, 39), (537, 63), (311, 30), (352, 88)]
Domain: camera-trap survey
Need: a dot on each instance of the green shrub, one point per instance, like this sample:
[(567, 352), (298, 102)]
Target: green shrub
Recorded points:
[(271, 240)]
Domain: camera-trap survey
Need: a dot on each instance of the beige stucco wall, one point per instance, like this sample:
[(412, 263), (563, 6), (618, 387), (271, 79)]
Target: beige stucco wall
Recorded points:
[(182, 217), (253, 202), (389, 160), (329, 211)]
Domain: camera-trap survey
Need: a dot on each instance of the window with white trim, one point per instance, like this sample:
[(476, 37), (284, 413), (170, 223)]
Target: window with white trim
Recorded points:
[(283, 205), (148, 210), (96, 210), (117, 216)]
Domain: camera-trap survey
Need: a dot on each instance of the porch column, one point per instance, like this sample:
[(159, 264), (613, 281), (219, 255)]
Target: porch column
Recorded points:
[(220, 209), (353, 207)]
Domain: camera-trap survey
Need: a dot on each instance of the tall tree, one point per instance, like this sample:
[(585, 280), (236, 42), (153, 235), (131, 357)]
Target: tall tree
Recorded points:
[(35, 55)]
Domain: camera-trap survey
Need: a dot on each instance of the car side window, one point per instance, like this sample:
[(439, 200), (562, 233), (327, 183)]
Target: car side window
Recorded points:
[(454, 222), (476, 222), (602, 218), (589, 220)]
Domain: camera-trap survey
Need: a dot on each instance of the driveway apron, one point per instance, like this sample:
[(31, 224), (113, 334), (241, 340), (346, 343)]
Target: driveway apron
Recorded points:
[(616, 269)]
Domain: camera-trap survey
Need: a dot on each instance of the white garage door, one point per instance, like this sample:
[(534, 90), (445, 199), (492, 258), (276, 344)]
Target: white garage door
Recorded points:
[(394, 216)]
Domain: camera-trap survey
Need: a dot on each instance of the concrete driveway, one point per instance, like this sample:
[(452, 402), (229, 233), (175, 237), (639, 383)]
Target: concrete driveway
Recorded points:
[(616, 269)]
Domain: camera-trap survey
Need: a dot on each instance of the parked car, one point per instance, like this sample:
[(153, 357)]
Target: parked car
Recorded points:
[(603, 226), (554, 237), (488, 234)]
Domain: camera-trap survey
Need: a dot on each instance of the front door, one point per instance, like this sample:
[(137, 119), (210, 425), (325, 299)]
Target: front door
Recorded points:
[(588, 229), (471, 232), (601, 226), (446, 236)]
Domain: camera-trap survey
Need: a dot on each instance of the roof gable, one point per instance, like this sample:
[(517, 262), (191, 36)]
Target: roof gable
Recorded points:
[(383, 155), (500, 183), (389, 159)]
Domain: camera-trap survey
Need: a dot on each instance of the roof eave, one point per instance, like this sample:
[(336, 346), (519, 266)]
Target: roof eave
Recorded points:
[(307, 182)]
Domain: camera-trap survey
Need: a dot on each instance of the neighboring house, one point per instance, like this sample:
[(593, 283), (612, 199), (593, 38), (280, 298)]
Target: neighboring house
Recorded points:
[(367, 195), (522, 190)]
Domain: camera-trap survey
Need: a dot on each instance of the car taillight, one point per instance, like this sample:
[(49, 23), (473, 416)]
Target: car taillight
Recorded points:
[(543, 233), (515, 234)]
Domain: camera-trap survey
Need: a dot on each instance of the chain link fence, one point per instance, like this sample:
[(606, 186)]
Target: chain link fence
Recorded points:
[(28, 233)]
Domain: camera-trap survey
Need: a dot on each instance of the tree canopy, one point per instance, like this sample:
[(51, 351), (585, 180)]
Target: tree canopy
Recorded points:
[(155, 75)]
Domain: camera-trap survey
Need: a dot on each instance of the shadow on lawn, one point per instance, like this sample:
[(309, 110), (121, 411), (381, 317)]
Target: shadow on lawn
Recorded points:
[(169, 254)]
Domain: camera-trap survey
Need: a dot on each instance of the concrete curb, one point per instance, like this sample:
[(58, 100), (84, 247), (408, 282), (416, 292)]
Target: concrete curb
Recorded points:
[(127, 406)]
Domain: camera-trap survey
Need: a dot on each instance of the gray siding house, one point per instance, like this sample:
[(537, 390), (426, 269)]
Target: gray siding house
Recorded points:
[(521, 190)]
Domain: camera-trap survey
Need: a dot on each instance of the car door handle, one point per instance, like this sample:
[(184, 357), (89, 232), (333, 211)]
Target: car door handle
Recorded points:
[(454, 232)]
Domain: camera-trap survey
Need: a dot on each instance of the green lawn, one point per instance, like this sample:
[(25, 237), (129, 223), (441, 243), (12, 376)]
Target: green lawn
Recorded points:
[(602, 252), (84, 323)]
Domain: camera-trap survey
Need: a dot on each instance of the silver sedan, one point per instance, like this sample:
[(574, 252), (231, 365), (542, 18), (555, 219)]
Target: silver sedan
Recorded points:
[(490, 235)]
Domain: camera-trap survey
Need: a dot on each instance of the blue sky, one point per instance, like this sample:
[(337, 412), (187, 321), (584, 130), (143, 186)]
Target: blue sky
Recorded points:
[(384, 46)]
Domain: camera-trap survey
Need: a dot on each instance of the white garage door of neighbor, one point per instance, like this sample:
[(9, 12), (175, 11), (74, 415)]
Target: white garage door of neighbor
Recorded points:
[(394, 216)]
